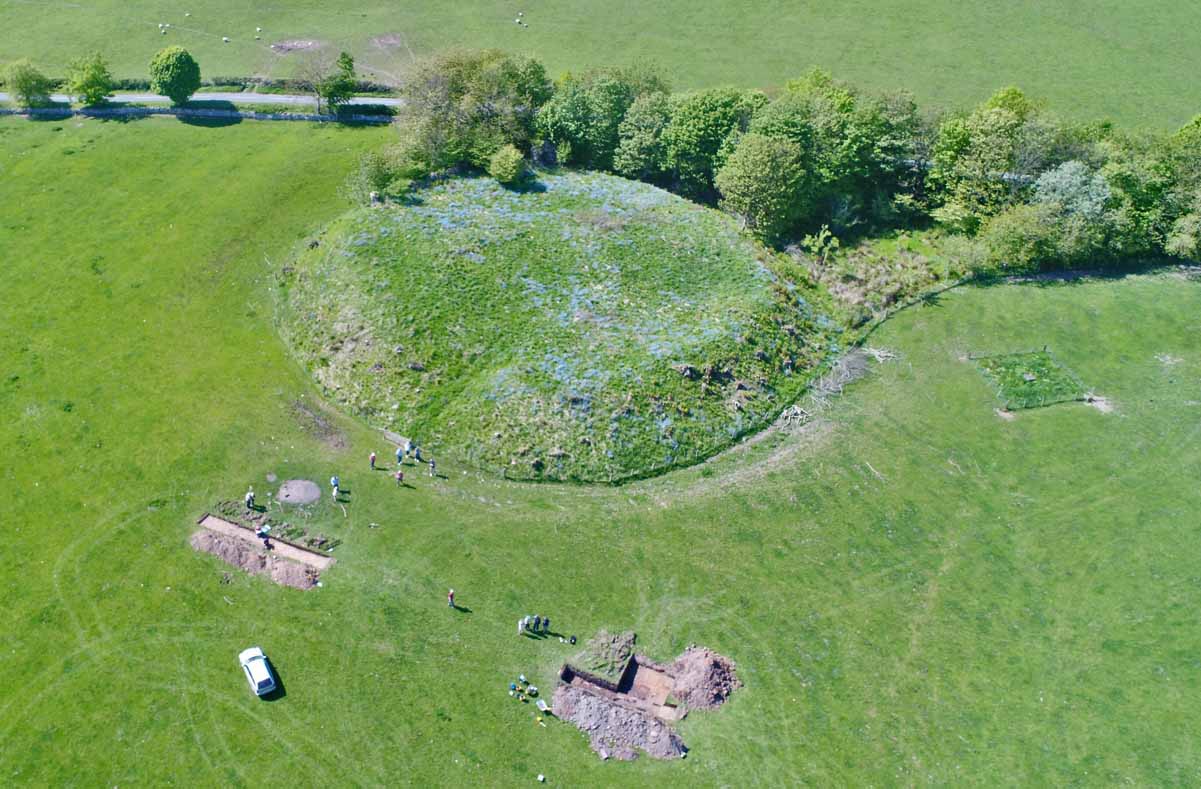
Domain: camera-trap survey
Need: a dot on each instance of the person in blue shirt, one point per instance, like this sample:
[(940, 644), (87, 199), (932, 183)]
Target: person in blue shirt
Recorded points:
[(333, 483)]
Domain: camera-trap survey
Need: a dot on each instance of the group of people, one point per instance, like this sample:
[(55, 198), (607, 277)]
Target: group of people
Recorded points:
[(533, 624)]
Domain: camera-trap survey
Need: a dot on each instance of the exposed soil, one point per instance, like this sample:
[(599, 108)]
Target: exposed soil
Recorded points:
[(613, 729), (255, 560), (1008, 416), (295, 45), (703, 678), (1102, 404), (299, 491), (636, 714)]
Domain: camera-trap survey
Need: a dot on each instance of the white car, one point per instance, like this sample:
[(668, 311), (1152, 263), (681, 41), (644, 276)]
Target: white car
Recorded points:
[(258, 671)]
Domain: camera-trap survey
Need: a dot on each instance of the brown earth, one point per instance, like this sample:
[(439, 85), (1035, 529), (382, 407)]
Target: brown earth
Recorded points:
[(318, 425), (255, 559), (704, 679), (638, 714), (613, 729)]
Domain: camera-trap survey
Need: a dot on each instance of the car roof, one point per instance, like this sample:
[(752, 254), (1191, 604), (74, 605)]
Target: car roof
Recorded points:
[(247, 654), (258, 670)]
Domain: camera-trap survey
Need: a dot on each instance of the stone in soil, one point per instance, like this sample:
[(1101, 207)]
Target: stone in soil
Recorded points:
[(614, 730)]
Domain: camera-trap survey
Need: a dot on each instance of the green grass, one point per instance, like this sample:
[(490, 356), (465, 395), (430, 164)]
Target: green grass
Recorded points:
[(1030, 380), (591, 328), (915, 591), (1132, 62)]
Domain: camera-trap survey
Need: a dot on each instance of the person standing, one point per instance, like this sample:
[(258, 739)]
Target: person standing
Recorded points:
[(433, 468), (546, 624), (450, 598), (400, 477), (250, 499), (333, 483), (372, 459), (400, 455)]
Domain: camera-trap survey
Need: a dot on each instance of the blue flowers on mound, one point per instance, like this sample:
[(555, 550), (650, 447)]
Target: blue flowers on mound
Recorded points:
[(546, 331)]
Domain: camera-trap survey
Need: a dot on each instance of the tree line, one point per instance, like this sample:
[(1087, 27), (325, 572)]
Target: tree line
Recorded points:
[(174, 73), (1030, 189)]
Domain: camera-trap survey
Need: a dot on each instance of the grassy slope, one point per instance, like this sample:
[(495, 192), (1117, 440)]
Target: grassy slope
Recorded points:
[(1129, 61), (540, 332), (1012, 600)]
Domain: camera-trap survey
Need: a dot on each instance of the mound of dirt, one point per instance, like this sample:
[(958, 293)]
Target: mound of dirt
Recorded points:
[(703, 678), (299, 491), (255, 560), (614, 730)]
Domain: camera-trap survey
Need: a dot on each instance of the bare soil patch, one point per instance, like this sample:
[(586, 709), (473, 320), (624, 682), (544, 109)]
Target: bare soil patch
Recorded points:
[(1008, 416), (1102, 404), (299, 491), (703, 678), (295, 45), (255, 560), (280, 548), (626, 703), (318, 425)]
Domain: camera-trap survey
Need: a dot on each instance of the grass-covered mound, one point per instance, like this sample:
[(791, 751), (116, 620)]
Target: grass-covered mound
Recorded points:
[(591, 328)]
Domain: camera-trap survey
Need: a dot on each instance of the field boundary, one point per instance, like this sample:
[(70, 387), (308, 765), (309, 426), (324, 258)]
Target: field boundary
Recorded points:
[(138, 112)]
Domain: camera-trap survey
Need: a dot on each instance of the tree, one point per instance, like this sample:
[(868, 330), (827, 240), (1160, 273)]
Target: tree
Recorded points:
[(700, 123), (1077, 189), (462, 106), (336, 86), (28, 86), (584, 116), (88, 78), (174, 73), (507, 166), (641, 152), (1023, 237), (764, 183)]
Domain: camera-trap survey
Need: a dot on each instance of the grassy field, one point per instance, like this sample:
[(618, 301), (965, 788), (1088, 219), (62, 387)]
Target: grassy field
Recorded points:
[(1132, 62), (587, 327), (915, 590)]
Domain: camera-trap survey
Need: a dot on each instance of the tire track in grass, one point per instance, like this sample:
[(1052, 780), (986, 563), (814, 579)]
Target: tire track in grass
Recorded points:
[(64, 556), (278, 738), (187, 703)]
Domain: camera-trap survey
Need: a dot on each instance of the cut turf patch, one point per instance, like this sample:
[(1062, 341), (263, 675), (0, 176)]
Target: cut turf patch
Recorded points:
[(1030, 380)]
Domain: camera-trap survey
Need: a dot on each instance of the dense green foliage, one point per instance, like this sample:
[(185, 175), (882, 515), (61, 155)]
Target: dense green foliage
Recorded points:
[(174, 73), (583, 116), (89, 80), (763, 182), (1011, 599), (29, 86), (335, 85), (508, 166), (463, 106), (588, 328), (1031, 190)]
